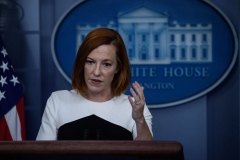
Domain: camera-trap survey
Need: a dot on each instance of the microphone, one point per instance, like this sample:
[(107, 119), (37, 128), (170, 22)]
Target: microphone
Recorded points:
[(98, 134), (85, 134)]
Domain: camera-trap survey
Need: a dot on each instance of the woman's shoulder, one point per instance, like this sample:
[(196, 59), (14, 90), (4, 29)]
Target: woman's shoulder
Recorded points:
[(63, 94), (63, 98)]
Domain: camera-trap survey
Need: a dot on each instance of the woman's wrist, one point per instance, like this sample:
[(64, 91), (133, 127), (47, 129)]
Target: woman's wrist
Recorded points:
[(140, 120)]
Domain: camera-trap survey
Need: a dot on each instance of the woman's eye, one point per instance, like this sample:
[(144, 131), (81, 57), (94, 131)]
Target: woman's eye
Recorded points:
[(89, 62), (107, 64)]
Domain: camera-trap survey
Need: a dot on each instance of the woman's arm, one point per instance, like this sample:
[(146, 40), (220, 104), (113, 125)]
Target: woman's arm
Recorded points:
[(143, 132), (48, 129)]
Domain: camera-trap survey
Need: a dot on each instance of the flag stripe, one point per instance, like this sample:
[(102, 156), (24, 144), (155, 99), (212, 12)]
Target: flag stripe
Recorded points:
[(4, 132), (13, 123), (20, 110)]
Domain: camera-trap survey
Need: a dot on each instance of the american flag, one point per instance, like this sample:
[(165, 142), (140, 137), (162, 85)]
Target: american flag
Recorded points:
[(12, 120)]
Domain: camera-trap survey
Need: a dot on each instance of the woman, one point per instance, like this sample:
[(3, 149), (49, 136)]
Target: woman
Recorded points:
[(96, 108)]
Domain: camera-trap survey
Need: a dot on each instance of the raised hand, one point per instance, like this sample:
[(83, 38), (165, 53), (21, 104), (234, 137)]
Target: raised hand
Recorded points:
[(138, 102)]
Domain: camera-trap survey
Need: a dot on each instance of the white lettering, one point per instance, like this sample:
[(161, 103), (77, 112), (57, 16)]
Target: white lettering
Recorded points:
[(186, 72), (158, 85), (143, 72)]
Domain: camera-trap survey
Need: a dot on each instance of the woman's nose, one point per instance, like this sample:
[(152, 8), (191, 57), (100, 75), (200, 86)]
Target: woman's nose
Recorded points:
[(97, 70)]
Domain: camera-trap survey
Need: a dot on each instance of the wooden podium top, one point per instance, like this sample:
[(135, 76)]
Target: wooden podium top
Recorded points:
[(173, 150)]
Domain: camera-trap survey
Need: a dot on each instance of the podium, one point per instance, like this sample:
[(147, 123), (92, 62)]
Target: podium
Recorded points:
[(159, 150)]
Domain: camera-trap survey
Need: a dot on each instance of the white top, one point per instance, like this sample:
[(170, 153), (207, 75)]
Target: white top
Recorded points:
[(67, 106)]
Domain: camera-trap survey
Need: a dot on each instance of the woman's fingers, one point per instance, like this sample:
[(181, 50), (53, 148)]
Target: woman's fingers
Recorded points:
[(138, 95), (135, 96)]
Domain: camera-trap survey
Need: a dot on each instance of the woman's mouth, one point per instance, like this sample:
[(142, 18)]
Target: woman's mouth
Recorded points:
[(96, 81)]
